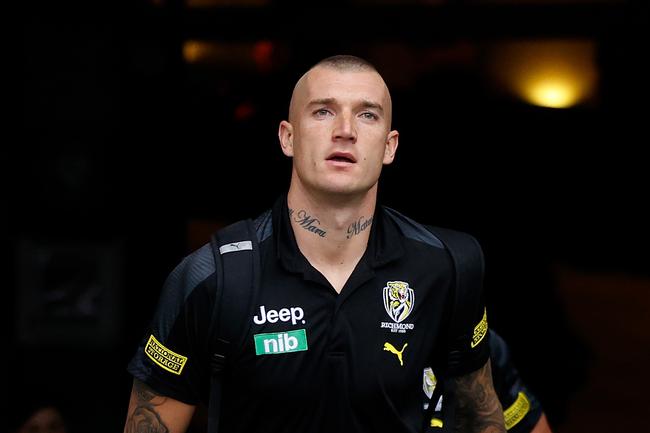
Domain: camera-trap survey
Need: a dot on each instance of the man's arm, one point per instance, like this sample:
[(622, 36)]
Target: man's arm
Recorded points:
[(154, 413), (478, 407)]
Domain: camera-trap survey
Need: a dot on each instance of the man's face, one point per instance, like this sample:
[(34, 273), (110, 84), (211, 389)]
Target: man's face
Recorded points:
[(339, 131)]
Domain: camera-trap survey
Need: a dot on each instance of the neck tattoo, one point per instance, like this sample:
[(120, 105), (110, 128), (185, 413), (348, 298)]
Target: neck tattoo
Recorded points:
[(358, 226), (307, 222)]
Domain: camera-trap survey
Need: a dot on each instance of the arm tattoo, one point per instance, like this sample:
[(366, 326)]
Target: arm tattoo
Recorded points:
[(307, 222), (145, 418), (358, 226), (478, 409)]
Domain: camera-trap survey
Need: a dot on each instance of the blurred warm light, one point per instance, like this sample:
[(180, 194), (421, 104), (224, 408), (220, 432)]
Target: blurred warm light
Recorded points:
[(260, 56), (547, 73), (195, 51), (552, 93), (263, 55), (218, 53)]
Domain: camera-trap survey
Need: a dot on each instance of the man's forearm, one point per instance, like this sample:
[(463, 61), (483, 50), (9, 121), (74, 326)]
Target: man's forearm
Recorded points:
[(151, 412), (143, 415), (479, 410)]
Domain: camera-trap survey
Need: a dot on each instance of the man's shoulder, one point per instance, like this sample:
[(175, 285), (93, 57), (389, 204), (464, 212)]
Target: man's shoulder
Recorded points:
[(430, 234), (412, 229), (194, 269)]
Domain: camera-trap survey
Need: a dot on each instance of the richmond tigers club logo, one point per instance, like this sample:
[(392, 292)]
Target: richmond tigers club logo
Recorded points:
[(399, 299)]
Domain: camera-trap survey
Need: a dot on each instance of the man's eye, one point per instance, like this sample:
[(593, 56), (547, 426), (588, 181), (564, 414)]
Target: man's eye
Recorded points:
[(321, 112), (370, 116)]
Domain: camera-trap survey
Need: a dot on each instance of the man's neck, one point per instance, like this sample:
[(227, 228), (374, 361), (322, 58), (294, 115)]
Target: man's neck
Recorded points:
[(332, 233)]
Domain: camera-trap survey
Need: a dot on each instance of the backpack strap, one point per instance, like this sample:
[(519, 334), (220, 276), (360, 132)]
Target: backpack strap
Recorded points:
[(469, 267), (236, 254)]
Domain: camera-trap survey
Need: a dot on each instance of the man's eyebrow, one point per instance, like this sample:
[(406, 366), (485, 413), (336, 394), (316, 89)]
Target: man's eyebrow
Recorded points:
[(370, 104), (321, 101)]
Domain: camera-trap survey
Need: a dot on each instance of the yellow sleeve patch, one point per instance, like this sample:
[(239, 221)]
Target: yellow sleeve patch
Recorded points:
[(436, 422), (165, 358), (517, 411), (480, 330)]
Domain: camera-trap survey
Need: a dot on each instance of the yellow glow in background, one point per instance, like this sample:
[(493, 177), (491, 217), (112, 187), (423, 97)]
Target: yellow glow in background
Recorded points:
[(546, 73)]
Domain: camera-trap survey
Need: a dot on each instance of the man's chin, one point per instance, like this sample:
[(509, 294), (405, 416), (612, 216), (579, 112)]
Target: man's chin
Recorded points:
[(346, 191)]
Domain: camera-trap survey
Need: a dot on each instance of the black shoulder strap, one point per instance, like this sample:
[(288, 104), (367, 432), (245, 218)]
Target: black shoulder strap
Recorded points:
[(236, 254), (467, 258)]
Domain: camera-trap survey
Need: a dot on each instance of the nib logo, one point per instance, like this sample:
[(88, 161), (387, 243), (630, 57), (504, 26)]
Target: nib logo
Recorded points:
[(281, 342)]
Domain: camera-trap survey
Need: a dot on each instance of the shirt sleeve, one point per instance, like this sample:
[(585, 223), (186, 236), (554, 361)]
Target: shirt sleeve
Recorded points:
[(172, 358), (469, 348), (522, 410)]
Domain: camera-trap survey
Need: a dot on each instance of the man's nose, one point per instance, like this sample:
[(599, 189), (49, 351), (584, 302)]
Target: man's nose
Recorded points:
[(345, 128)]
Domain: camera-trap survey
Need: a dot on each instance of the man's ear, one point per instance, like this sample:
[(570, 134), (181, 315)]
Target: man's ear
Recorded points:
[(392, 141), (285, 134)]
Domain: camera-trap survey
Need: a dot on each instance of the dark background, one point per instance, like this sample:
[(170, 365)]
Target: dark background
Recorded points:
[(127, 153)]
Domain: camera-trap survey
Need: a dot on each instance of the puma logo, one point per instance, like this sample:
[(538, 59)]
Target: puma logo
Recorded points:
[(389, 347)]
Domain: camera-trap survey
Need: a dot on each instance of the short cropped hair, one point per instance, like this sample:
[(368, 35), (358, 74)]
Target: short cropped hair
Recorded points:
[(345, 62)]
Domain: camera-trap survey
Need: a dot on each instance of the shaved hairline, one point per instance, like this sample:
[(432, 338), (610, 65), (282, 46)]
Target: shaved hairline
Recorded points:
[(346, 63)]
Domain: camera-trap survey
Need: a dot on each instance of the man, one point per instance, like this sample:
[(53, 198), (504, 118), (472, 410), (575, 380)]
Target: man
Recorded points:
[(352, 300)]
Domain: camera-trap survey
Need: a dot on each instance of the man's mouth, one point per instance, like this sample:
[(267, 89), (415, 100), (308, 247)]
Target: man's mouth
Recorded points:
[(342, 157)]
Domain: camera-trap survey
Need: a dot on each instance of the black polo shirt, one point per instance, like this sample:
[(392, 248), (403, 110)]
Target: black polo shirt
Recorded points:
[(314, 360)]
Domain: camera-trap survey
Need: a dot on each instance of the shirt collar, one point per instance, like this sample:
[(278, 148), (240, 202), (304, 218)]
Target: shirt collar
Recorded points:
[(385, 243)]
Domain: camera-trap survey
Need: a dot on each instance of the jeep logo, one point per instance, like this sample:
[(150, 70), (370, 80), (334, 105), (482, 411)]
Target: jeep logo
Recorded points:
[(292, 314)]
